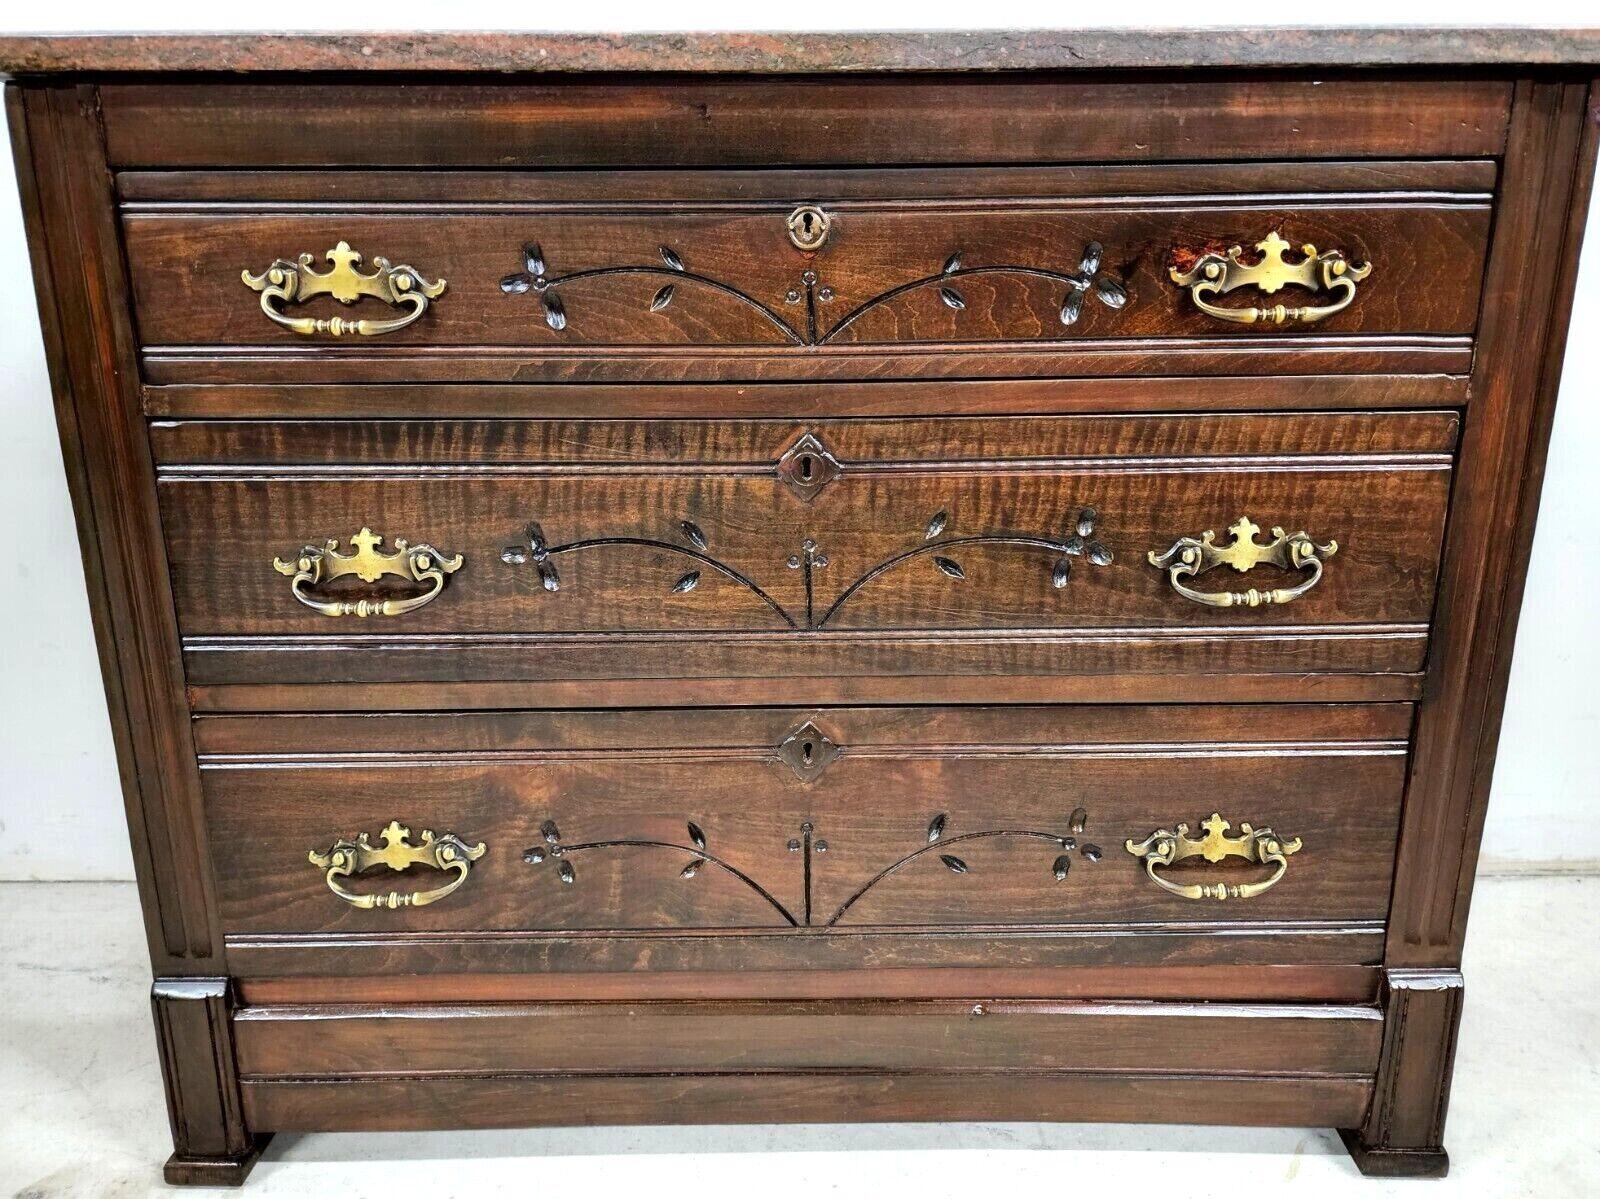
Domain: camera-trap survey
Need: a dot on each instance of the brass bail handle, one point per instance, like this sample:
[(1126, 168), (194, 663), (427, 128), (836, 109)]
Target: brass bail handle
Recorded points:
[(1328, 272), (445, 852), (315, 565), (286, 283), (1189, 557), (1166, 846)]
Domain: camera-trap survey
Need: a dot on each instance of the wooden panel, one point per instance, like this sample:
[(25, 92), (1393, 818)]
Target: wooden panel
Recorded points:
[(850, 849), (817, 1098), (1010, 491), (1207, 983), (341, 1041), (879, 282), (696, 122)]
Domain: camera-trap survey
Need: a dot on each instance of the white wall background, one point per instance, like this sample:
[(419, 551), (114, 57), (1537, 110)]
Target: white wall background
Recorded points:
[(60, 807)]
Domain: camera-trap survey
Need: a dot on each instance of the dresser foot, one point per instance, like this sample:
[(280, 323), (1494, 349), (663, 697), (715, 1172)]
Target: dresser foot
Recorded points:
[(194, 1033), (1381, 1162), (1403, 1135), (184, 1171)]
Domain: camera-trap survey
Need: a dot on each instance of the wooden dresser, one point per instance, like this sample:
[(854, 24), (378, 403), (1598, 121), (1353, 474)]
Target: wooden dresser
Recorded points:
[(805, 578)]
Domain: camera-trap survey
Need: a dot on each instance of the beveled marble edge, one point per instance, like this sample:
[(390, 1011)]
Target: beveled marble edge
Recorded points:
[(952, 50)]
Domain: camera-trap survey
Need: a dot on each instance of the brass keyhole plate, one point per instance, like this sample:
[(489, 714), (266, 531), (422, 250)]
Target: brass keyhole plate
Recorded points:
[(808, 227)]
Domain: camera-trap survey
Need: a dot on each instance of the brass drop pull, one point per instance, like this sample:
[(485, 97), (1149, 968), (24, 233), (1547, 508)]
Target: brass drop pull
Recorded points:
[(414, 563), (1164, 847), (1217, 274), (345, 858), (808, 227), (1191, 556), (285, 283)]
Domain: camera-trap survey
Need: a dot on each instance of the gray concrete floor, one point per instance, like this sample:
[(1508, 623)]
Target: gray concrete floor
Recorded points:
[(81, 1112)]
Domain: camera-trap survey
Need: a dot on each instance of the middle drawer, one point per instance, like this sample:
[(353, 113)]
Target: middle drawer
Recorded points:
[(604, 550)]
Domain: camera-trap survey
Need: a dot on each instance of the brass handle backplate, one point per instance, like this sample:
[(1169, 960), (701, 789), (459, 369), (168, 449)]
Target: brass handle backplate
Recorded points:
[(414, 563), (1216, 274), (808, 227), (346, 858), (285, 283), (1164, 847), (1191, 556)]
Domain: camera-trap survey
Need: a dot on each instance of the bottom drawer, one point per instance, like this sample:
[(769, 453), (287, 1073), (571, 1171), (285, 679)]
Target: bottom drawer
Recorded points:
[(421, 1066), (802, 840)]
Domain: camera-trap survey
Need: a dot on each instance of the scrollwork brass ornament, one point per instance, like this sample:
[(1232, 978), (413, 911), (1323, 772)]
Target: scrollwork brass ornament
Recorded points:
[(315, 565), (285, 283), (1164, 847), (1318, 271), (1192, 556), (446, 852)]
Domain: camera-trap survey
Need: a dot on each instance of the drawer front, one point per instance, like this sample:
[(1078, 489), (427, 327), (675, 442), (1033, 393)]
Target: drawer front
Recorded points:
[(742, 549), (804, 825), (717, 282)]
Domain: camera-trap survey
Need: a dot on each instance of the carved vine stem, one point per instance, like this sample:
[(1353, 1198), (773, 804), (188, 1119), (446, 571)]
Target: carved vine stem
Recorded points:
[(1079, 543), (1087, 279), (700, 858), (697, 852)]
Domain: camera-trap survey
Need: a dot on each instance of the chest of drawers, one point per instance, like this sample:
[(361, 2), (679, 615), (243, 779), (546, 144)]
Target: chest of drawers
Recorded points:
[(805, 578)]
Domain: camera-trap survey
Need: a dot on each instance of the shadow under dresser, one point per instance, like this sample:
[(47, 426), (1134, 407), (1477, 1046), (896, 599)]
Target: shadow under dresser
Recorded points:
[(807, 577)]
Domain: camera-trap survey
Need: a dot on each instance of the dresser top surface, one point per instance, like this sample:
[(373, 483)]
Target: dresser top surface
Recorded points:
[(758, 53)]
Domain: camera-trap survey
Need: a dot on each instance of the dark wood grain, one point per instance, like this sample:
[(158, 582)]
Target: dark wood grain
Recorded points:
[(622, 800), (816, 1098), (82, 294), (697, 1037), (751, 122)]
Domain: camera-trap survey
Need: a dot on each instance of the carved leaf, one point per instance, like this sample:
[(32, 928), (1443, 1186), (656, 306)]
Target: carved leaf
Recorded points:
[(693, 533), (533, 258), (1078, 820), (533, 856), (1112, 294), (550, 832), (952, 298), (514, 555), (1092, 254), (555, 313), (688, 583), (1086, 519), (662, 298), (1092, 852), (1099, 554), (936, 828), (1061, 574), (695, 835), (549, 577), (1062, 865), (936, 525), (954, 863), (672, 260), (565, 870), (692, 869), (1072, 308), (950, 567), (953, 263), (515, 285), (536, 541)]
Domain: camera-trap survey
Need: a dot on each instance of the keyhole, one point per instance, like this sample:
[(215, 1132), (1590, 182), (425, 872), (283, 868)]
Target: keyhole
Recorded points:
[(805, 468), (807, 222), (808, 227), (807, 751)]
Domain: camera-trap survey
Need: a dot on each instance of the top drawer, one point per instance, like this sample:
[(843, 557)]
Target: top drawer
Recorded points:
[(807, 274)]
